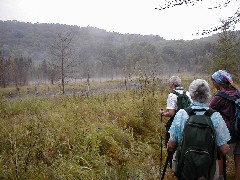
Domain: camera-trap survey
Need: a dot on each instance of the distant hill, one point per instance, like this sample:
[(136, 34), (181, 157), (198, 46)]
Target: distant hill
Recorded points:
[(96, 48), (34, 39)]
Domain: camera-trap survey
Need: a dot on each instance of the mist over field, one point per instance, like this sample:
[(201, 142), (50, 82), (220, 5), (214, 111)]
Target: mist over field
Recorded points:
[(82, 82), (95, 53)]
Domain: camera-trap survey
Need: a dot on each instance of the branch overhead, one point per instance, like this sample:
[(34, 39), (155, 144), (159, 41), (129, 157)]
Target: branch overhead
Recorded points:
[(229, 22)]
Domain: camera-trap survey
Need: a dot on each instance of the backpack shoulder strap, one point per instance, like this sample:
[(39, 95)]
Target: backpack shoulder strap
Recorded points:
[(225, 96), (238, 91), (209, 112), (175, 92), (189, 110)]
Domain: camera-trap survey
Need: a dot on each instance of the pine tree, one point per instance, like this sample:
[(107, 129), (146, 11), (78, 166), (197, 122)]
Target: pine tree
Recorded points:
[(226, 52)]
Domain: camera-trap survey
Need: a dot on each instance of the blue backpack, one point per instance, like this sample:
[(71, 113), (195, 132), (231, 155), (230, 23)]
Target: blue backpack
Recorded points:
[(236, 101)]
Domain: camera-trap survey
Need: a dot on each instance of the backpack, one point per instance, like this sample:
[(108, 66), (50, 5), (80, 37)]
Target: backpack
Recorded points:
[(197, 152), (183, 100), (236, 101)]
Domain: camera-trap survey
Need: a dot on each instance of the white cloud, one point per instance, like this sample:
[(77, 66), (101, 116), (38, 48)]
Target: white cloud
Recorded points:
[(124, 16)]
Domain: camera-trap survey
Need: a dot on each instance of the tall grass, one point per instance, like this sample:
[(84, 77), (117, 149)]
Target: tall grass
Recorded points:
[(108, 135)]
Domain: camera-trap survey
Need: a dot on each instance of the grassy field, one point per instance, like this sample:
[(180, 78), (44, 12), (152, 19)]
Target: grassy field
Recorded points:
[(111, 133)]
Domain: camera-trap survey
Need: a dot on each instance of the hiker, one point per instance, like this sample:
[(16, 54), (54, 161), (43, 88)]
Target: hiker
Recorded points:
[(200, 93), (177, 99), (174, 85), (223, 81)]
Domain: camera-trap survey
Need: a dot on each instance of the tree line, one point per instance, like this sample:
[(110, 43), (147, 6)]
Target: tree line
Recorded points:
[(56, 52)]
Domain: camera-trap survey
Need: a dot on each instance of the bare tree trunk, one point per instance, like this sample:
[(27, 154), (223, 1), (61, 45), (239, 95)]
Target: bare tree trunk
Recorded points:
[(61, 50)]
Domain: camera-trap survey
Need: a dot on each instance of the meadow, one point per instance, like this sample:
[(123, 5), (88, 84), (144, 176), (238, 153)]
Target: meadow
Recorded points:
[(113, 132)]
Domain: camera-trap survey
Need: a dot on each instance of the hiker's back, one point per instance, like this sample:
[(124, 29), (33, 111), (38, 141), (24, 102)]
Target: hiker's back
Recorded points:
[(179, 99), (223, 82), (229, 108), (196, 153), (200, 154)]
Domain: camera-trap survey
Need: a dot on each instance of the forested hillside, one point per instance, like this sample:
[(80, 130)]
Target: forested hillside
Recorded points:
[(37, 51)]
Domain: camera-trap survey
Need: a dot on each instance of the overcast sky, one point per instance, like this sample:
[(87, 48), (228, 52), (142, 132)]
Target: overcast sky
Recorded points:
[(123, 16)]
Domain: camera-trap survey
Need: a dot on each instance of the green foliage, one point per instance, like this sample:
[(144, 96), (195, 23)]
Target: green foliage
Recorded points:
[(101, 136), (226, 57), (78, 137), (3, 110), (94, 53)]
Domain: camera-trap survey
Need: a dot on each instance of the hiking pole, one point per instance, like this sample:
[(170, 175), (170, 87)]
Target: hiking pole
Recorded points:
[(161, 146), (224, 167), (169, 157)]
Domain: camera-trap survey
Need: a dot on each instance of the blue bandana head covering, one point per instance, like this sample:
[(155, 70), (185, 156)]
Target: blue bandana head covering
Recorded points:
[(222, 77)]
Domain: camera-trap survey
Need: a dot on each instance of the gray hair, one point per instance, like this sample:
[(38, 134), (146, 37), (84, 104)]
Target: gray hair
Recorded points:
[(175, 80), (200, 91)]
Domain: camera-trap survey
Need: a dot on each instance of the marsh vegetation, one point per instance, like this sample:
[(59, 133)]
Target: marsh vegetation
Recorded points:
[(101, 135)]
